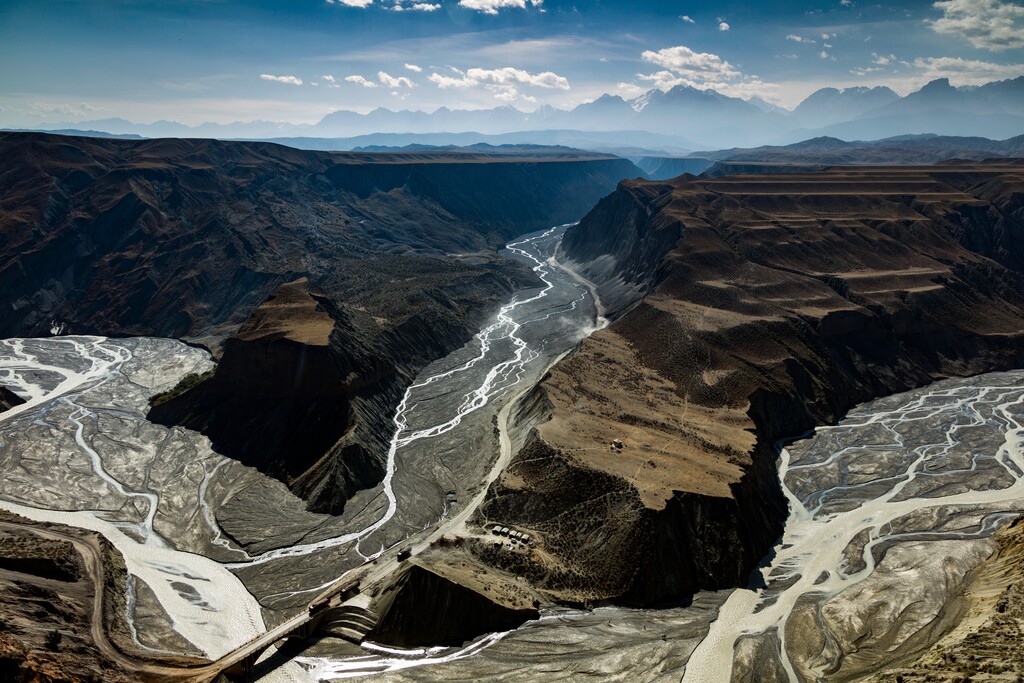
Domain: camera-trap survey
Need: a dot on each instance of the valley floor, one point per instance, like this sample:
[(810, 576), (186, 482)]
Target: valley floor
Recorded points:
[(892, 512)]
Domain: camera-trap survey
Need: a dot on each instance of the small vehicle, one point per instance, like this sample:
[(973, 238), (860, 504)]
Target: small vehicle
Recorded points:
[(404, 554)]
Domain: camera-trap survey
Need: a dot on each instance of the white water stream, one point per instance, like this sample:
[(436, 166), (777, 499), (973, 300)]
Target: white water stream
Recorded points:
[(913, 473), (205, 602), (506, 372)]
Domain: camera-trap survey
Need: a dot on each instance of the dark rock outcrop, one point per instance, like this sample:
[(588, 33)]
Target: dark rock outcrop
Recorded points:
[(9, 399), (189, 237), (425, 608), (186, 237), (282, 363), (783, 301)]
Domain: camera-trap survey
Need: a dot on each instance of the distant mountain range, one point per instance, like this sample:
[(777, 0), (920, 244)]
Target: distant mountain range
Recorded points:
[(822, 152), (680, 118)]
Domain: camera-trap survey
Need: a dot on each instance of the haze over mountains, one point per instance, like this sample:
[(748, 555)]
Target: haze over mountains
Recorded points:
[(682, 117)]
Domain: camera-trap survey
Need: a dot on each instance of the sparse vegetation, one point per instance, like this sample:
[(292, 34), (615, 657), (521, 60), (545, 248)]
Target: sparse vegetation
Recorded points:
[(187, 382)]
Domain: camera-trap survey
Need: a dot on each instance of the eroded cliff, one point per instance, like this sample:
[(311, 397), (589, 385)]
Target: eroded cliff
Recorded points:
[(9, 399), (189, 237), (773, 303), (425, 607), (186, 237)]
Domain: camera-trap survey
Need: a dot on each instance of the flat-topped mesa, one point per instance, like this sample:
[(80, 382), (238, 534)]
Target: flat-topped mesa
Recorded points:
[(291, 360), (776, 302)]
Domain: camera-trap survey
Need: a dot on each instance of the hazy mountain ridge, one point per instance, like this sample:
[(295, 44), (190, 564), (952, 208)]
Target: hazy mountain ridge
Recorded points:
[(707, 118)]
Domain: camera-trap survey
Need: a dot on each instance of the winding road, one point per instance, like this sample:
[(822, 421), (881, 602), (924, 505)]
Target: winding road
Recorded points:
[(64, 378)]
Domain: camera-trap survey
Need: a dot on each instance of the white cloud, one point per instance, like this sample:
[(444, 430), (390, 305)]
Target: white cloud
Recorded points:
[(351, 3), (723, 26), (865, 70), (846, 3), (664, 80), (630, 89), (504, 84), (331, 81), (800, 39), (359, 80), (389, 81), (506, 94), (697, 66), (989, 24), (414, 67), (290, 80), (823, 54), (747, 88), (492, 6), (966, 71), (687, 18), (703, 71), (414, 6), (882, 60), (506, 76)]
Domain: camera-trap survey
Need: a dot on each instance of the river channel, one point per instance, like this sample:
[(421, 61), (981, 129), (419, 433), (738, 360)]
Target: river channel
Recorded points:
[(889, 511)]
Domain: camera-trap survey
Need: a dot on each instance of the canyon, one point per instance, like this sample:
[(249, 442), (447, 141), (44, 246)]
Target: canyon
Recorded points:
[(750, 308), (530, 444), (187, 238)]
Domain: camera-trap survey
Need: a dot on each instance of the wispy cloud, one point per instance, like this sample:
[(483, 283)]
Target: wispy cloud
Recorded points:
[(407, 6), (698, 66), (504, 84), (704, 71), (414, 67), (966, 71), (630, 90), (290, 80), (687, 18), (359, 80), (351, 3), (492, 6), (801, 39), (505, 76), (987, 24), (389, 81)]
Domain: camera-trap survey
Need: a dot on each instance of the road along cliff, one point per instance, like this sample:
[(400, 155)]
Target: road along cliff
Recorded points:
[(749, 308)]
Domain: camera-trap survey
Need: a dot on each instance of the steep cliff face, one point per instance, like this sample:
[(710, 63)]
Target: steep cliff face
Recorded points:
[(9, 399), (305, 391), (190, 237), (186, 237), (623, 262), (425, 608), (785, 300), (282, 363)]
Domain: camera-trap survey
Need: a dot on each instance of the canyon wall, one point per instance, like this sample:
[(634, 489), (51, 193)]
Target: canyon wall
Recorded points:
[(770, 304), (186, 237), (324, 281)]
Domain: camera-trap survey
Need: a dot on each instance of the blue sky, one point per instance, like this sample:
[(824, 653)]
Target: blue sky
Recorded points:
[(228, 60)]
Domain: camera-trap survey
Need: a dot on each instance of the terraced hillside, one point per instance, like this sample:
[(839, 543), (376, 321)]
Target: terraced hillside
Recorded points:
[(750, 308)]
